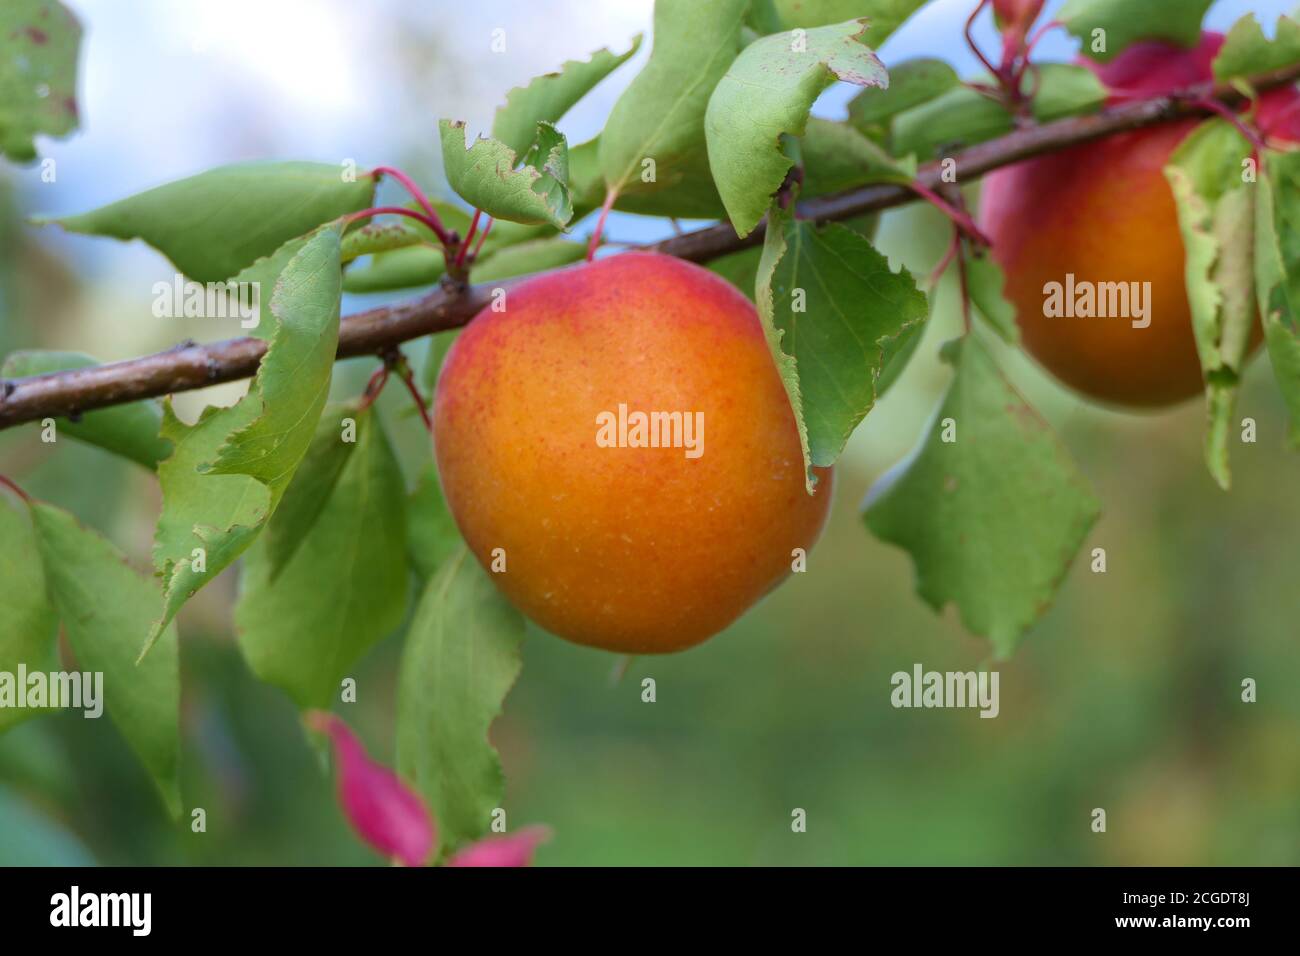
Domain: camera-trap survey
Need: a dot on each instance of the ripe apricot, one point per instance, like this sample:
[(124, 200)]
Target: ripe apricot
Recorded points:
[(607, 540), (1104, 213)]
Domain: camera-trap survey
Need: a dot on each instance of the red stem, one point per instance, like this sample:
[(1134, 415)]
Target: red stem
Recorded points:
[(469, 237), (403, 211), (610, 196), (418, 195), (1245, 129), (959, 218), (374, 387), (12, 486), (482, 236), (965, 288), (970, 39), (408, 379)]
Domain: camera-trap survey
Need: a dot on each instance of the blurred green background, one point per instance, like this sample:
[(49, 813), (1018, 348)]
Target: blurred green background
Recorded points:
[(1126, 696)]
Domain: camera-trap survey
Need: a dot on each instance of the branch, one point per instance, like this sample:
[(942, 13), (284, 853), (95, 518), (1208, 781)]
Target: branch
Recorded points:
[(191, 366)]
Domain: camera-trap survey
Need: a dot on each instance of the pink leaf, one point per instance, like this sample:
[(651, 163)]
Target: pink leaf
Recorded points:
[(516, 849), (381, 808)]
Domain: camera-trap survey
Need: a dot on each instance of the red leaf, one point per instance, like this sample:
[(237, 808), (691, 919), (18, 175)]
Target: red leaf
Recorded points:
[(383, 810), (516, 849)]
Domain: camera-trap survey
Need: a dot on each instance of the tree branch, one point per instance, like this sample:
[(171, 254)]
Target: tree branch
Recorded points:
[(192, 366)]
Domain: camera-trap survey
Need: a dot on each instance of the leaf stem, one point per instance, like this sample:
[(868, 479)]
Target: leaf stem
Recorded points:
[(408, 379), (959, 218), (435, 221), (469, 237), (13, 486), (610, 195)]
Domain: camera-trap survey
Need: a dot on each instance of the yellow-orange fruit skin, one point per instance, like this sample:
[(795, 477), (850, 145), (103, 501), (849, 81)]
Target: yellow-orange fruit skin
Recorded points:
[(1103, 213), (634, 550)]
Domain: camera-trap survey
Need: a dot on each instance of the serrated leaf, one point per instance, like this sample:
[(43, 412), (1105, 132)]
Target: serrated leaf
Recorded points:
[(1277, 273), (1246, 51), (911, 83), (127, 430), (343, 587), (484, 175), (883, 16), (834, 315), (227, 472), (535, 255), (39, 42), (431, 533), (462, 656), (106, 608), (28, 622), (993, 519), (1123, 23), (548, 97), (1216, 218), (215, 224), (660, 116), (766, 94)]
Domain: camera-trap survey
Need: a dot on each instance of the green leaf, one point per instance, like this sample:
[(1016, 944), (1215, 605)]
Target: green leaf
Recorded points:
[(431, 531), (586, 183), (382, 237), (228, 471), (548, 97), (407, 268), (28, 624), (315, 480), (834, 315), (462, 656), (766, 94), (39, 41), (992, 519), (962, 116), (484, 175), (837, 157), (536, 255), (1246, 51), (343, 587), (985, 282), (1216, 217), (883, 16), (911, 83), (215, 224), (1277, 273), (1123, 22), (652, 150), (127, 430), (106, 609)]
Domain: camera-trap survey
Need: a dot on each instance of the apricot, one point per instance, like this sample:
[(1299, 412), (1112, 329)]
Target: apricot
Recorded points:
[(1104, 213), (619, 431)]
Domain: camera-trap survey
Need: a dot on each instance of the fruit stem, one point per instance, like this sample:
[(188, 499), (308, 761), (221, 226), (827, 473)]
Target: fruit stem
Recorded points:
[(418, 195), (610, 196), (13, 486), (959, 218)]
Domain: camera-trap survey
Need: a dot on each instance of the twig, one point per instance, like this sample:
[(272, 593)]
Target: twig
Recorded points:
[(367, 333)]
